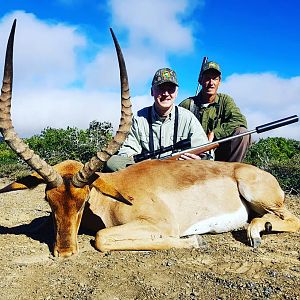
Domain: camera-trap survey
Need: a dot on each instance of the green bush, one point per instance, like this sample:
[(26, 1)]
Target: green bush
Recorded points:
[(56, 145), (7, 156), (14, 170), (280, 157), (10, 164)]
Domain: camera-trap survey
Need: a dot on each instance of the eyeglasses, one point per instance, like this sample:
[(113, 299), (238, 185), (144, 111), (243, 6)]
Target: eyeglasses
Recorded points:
[(165, 87)]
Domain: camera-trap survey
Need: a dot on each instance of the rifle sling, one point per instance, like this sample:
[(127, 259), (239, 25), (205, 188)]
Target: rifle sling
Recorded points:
[(195, 109), (149, 119)]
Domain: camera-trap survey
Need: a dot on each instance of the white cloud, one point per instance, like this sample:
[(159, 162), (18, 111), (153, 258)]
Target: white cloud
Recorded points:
[(46, 65), (102, 72), (155, 30), (60, 108), (45, 68), (264, 98), (154, 22), (44, 53)]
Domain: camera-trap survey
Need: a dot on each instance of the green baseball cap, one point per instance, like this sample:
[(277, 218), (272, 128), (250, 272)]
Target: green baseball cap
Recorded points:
[(164, 75), (211, 65)]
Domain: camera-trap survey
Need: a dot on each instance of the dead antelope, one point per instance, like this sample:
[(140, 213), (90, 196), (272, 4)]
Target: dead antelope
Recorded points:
[(149, 205)]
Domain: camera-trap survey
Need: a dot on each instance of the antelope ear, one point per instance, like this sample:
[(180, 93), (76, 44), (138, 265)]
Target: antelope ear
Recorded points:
[(108, 190), (27, 182)]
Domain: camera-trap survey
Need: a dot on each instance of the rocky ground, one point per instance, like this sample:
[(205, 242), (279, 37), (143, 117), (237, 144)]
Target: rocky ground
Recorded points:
[(226, 268)]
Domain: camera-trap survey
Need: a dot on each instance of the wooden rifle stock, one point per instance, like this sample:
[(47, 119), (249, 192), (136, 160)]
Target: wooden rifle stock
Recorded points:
[(197, 150)]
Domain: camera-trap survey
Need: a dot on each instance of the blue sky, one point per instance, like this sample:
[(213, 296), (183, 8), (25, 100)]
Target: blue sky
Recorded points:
[(66, 71)]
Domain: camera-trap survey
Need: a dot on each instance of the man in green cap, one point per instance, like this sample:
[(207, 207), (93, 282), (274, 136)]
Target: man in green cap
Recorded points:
[(160, 125), (219, 115)]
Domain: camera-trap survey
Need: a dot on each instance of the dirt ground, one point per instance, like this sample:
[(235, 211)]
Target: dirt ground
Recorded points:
[(226, 268)]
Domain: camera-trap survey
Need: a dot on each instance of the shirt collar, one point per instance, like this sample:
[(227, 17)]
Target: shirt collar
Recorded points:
[(156, 117)]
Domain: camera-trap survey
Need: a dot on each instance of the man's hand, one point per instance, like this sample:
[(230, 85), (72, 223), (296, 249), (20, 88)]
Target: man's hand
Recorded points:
[(210, 136), (188, 156)]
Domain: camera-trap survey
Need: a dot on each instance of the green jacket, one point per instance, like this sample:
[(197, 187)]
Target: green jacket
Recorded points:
[(222, 117)]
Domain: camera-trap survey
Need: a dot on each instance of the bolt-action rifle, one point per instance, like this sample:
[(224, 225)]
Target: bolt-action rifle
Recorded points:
[(204, 61), (186, 144)]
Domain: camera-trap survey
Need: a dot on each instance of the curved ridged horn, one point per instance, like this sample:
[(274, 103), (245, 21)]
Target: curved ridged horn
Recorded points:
[(51, 177), (82, 177)]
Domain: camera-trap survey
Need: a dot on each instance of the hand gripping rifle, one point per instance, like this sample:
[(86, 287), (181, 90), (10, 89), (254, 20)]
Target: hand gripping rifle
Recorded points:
[(209, 146)]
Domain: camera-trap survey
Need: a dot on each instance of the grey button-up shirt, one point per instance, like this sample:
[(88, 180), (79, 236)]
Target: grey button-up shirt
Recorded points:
[(163, 130)]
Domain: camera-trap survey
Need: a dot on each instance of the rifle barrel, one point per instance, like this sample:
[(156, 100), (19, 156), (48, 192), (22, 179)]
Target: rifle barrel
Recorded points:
[(258, 129), (276, 124), (204, 61)]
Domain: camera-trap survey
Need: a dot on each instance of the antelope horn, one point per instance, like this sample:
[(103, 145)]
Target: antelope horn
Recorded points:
[(82, 177), (51, 177)]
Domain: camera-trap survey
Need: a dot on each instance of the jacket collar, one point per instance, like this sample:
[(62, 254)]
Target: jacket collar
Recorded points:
[(198, 101)]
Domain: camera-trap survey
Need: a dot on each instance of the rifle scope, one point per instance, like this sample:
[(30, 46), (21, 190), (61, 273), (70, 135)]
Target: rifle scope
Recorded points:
[(181, 145)]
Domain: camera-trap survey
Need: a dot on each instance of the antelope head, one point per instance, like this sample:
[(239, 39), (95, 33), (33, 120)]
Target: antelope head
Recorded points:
[(68, 183)]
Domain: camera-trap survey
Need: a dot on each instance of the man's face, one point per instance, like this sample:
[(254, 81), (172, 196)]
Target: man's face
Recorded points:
[(210, 82), (164, 95)]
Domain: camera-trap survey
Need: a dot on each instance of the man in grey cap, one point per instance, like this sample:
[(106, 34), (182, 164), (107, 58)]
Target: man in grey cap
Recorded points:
[(219, 115), (160, 125)]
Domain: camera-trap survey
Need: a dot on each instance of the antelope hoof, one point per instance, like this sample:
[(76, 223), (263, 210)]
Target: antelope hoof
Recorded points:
[(268, 227), (255, 243), (201, 242), (64, 253)]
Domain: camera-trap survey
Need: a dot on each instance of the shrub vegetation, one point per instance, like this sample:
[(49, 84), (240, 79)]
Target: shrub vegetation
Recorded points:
[(279, 156), (56, 145)]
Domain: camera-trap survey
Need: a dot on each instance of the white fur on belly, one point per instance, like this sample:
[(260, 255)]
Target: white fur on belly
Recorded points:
[(220, 223)]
